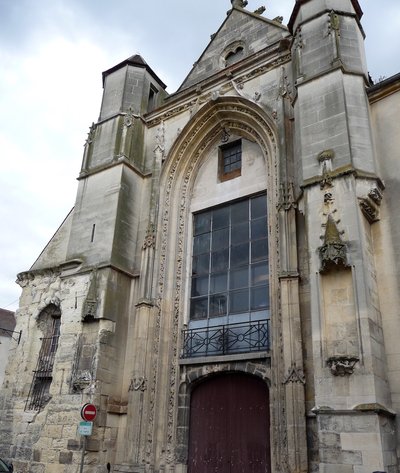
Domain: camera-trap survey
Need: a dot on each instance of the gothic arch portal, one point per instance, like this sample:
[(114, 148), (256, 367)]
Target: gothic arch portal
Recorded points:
[(245, 119)]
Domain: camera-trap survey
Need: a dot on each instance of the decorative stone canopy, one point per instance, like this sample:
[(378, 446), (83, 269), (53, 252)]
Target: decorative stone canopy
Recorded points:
[(333, 252)]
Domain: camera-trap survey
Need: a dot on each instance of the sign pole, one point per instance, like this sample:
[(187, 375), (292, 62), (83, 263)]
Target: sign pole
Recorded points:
[(88, 414), (83, 454)]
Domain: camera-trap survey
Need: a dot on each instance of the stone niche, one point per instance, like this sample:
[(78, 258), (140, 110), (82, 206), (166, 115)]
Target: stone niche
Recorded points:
[(339, 320)]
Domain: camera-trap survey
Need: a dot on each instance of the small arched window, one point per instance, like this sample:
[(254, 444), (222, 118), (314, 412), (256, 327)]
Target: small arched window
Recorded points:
[(234, 56), (49, 322)]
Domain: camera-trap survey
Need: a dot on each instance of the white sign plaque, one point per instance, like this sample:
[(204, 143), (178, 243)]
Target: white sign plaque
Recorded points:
[(85, 428)]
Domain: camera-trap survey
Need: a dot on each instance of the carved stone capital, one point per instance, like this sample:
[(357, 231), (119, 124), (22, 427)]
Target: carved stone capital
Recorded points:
[(342, 365), (286, 196), (150, 238)]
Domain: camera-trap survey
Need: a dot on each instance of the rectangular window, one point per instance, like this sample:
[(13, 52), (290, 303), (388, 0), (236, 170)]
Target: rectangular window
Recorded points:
[(151, 105), (230, 160), (230, 272)]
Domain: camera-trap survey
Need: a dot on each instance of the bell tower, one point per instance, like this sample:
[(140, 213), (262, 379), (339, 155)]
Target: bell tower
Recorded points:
[(349, 404)]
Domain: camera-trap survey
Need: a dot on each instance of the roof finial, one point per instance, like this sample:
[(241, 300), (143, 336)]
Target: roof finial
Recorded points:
[(239, 3)]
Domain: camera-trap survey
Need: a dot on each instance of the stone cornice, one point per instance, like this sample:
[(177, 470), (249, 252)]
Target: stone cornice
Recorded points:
[(119, 160), (342, 172), (67, 269)]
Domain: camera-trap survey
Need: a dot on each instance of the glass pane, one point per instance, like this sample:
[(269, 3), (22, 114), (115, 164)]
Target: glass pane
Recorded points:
[(202, 223), (221, 218), (239, 233), (239, 278), (217, 305), (198, 308), (259, 298), (218, 282), (259, 274), (259, 250), (239, 255), (201, 264), (200, 286), (220, 239), (259, 206), (239, 301), (219, 261), (240, 212), (258, 228), (201, 244)]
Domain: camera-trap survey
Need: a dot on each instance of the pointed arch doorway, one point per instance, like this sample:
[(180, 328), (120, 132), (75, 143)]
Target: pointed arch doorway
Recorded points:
[(229, 426)]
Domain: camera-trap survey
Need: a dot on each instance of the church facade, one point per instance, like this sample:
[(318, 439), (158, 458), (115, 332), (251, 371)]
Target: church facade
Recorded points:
[(225, 289)]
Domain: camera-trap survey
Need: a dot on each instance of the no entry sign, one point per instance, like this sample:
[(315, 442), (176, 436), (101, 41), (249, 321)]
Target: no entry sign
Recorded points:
[(88, 412)]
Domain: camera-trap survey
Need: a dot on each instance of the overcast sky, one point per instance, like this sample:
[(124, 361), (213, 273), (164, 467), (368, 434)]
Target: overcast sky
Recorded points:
[(52, 54)]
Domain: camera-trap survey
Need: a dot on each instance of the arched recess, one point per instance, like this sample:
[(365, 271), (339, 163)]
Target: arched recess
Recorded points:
[(196, 375), (49, 323), (243, 118)]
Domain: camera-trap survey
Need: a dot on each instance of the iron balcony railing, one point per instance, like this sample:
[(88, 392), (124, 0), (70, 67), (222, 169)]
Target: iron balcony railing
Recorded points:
[(226, 339)]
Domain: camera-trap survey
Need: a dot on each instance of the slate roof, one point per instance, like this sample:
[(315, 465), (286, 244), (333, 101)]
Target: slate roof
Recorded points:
[(137, 61), (7, 321)]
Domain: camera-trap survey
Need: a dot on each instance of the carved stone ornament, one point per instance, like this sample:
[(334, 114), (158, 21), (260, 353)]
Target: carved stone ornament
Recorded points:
[(333, 252), (294, 375), (370, 204), (150, 238), (90, 304), (90, 137), (342, 365), (129, 118), (287, 200), (138, 384), (326, 155), (225, 135), (334, 23), (285, 89), (81, 381), (260, 10)]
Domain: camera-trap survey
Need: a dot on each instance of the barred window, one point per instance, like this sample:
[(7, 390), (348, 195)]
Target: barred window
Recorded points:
[(49, 322)]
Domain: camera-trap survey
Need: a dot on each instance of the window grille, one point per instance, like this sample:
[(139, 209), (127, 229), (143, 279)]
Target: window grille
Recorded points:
[(230, 271), (39, 392)]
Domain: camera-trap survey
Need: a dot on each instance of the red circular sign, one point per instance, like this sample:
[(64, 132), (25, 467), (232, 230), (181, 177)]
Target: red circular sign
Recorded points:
[(88, 412)]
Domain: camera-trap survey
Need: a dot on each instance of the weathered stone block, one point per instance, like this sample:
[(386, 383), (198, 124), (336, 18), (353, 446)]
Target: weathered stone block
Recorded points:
[(36, 455), (73, 444), (65, 458), (38, 468), (92, 445)]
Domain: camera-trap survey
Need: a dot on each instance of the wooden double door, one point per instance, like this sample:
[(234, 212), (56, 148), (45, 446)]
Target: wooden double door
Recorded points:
[(229, 426)]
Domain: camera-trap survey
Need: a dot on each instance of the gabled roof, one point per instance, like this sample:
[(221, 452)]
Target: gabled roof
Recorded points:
[(7, 321), (241, 28), (137, 61)]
